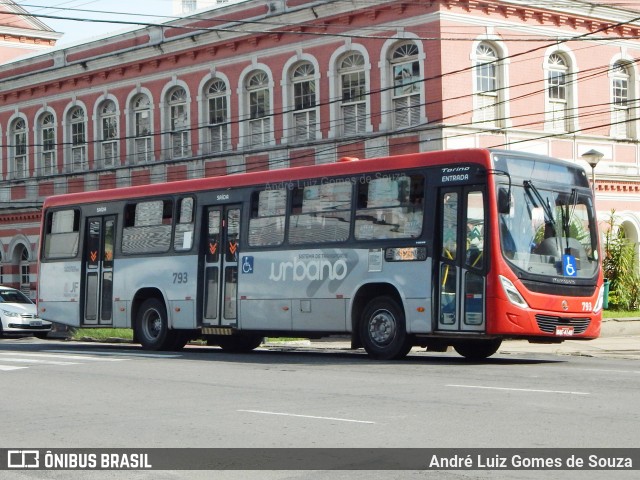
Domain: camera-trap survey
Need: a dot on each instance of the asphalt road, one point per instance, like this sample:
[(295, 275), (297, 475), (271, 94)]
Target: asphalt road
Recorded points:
[(81, 395)]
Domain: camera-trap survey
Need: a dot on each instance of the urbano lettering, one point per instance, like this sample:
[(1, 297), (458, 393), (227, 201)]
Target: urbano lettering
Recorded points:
[(299, 270)]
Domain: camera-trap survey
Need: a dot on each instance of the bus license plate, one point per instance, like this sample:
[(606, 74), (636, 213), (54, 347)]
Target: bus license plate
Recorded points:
[(564, 331), (35, 323)]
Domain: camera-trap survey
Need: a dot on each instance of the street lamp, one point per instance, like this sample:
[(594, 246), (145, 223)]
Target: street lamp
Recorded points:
[(592, 157)]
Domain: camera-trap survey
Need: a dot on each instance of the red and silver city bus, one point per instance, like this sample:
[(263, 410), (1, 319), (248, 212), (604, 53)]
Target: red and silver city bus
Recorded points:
[(459, 248)]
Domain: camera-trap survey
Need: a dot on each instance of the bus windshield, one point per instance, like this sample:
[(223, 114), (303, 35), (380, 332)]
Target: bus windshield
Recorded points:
[(544, 226)]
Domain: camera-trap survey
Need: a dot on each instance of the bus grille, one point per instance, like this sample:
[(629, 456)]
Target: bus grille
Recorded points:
[(548, 323)]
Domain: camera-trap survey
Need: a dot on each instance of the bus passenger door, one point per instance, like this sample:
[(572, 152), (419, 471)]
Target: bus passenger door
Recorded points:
[(462, 264), (221, 253), (98, 281)]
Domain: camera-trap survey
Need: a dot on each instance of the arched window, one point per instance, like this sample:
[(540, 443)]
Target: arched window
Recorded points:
[(179, 123), (19, 141), (142, 142), (304, 103), (621, 115), (47, 128), (558, 106), (487, 97), (218, 116), (109, 134), (257, 86), (406, 85), (78, 139), (353, 106)]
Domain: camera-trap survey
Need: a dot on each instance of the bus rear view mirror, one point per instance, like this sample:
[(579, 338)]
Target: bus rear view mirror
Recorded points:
[(504, 200)]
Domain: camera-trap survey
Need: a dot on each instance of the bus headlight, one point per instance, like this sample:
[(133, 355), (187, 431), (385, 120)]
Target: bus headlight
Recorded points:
[(599, 301), (512, 293)]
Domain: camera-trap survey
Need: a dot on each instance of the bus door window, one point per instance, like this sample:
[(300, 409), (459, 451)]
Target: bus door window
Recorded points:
[(221, 253), (449, 253), (231, 268), (461, 270), (98, 305), (474, 260), (212, 260)]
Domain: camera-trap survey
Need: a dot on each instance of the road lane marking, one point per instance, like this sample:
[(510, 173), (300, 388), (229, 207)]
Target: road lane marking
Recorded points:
[(7, 368), (67, 357), (34, 361), (307, 416), (528, 390), (119, 354)]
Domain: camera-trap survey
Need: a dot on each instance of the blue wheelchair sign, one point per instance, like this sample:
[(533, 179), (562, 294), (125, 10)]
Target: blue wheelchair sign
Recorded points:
[(247, 264), (569, 266)]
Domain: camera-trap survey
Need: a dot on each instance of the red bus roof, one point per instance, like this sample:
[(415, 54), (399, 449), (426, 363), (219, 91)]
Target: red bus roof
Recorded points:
[(347, 166)]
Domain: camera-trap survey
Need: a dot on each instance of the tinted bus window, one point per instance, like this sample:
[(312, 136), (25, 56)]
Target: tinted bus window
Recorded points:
[(320, 213), (390, 207), (183, 236), (266, 225), (147, 227), (61, 234)]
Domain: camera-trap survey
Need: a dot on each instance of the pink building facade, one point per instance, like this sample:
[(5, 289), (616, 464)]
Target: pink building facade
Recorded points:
[(266, 85)]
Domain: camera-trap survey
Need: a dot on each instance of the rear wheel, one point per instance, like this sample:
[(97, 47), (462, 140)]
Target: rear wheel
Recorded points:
[(477, 349), (152, 327), (382, 330)]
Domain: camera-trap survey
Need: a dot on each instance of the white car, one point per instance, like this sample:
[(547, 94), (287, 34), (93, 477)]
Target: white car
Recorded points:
[(18, 314)]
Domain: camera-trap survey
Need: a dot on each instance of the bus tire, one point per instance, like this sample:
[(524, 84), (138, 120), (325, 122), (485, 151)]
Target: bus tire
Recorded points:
[(152, 327), (382, 330), (477, 349), (239, 343)]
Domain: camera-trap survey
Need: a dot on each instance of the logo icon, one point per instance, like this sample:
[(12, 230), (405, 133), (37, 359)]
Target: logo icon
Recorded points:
[(23, 459)]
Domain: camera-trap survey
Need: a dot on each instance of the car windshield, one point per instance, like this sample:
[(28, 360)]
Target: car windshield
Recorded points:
[(550, 232), (13, 296)]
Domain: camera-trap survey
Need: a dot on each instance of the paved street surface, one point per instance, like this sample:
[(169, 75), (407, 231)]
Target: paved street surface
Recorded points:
[(319, 395)]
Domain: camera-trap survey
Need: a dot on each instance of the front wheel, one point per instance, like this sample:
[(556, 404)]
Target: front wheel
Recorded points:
[(382, 330), (152, 327), (477, 349)]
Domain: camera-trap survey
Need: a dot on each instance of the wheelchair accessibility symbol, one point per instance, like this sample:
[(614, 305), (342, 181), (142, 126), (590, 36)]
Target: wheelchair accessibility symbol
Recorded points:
[(247, 264), (569, 266)]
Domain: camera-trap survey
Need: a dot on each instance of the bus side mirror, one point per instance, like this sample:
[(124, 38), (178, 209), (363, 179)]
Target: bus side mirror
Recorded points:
[(504, 200)]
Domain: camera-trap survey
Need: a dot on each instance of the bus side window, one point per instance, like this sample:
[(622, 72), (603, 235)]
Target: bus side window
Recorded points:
[(147, 227), (62, 234), (183, 236), (266, 225), (390, 207), (321, 213)]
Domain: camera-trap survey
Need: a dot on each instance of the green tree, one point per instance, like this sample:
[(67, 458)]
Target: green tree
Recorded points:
[(619, 267)]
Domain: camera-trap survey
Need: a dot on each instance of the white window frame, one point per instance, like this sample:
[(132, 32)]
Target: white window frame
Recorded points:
[(108, 131), (178, 120), (621, 89), (353, 94), (406, 78), (142, 135), (48, 145), (77, 134), (20, 160), (258, 97), (217, 116)]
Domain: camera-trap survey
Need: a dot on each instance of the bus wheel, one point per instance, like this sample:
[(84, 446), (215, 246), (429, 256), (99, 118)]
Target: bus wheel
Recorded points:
[(382, 330), (152, 328), (239, 343), (477, 349)]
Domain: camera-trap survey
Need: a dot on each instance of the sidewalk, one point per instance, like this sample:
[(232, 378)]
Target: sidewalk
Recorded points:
[(619, 338)]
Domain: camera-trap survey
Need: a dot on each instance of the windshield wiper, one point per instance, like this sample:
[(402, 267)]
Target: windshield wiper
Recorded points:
[(567, 216), (546, 207)]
